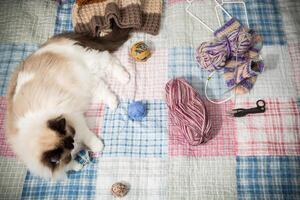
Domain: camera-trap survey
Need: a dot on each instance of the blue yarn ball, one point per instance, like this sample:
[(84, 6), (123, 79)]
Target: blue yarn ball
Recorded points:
[(137, 110)]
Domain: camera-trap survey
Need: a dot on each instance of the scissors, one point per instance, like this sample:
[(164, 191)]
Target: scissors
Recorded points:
[(241, 112)]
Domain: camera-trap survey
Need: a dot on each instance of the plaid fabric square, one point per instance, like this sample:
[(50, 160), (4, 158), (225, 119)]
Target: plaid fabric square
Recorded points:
[(264, 17), (145, 176), (183, 30), (27, 21), (80, 185), (182, 63), (10, 56), (12, 175), (277, 75), (294, 50), (275, 132), (147, 80), (202, 178), (125, 137), (290, 12), (5, 149), (94, 117), (236, 10), (223, 142), (64, 17), (268, 177)]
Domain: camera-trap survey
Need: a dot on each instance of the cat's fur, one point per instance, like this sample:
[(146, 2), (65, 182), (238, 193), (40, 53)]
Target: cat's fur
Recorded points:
[(49, 93)]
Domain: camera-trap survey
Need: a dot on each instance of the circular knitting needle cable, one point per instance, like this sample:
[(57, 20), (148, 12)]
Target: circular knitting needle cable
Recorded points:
[(209, 99)]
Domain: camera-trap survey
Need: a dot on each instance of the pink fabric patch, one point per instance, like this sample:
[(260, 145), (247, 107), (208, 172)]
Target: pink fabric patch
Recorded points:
[(151, 77), (5, 149), (223, 142), (94, 117), (276, 132), (294, 50)]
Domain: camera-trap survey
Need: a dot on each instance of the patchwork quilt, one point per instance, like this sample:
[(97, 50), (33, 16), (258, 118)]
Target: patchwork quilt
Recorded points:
[(255, 157)]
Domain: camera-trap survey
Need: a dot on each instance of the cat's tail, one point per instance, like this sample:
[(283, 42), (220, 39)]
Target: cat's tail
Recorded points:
[(110, 42)]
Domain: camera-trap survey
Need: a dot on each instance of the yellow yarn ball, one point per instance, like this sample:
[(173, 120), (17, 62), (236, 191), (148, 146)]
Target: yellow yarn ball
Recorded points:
[(140, 52)]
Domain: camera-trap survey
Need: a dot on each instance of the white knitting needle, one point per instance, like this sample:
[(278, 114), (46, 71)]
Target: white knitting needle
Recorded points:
[(205, 91), (230, 2), (195, 17)]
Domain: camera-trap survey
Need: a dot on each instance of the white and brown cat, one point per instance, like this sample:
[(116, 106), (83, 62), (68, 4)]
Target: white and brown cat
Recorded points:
[(49, 93)]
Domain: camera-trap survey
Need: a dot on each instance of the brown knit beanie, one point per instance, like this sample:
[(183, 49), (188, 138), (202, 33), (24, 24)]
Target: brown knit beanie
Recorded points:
[(94, 16)]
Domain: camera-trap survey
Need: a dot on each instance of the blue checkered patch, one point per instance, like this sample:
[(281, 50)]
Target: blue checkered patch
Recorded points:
[(264, 17), (125, 137), (182, 63), (10, 56), (80, 185), (64, 17), (268, 177)]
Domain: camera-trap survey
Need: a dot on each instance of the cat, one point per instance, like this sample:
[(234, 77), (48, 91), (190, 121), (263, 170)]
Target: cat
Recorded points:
[(50, 91)]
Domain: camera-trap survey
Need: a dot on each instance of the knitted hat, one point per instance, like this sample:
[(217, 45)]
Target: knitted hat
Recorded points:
[(93, 16)]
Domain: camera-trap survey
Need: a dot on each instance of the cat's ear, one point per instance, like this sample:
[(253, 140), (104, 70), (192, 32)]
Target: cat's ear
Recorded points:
[(58, 124)]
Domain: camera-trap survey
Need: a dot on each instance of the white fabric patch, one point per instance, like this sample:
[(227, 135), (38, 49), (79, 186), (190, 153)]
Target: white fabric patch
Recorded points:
[(146, 176), (202, 178), (12, 176), (277, 78), (183, 30), (290, 11)]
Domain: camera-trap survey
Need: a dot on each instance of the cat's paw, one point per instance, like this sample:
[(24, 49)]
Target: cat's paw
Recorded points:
[(96, 145), (124, 78), (112, 102), (121, 74), (76, 166)]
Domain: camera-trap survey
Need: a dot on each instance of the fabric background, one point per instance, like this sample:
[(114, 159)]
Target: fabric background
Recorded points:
[(27, 21), (255, 157)]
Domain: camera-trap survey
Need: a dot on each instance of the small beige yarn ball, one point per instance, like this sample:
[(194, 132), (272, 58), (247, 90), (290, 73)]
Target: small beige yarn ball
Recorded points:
[(119, 189)]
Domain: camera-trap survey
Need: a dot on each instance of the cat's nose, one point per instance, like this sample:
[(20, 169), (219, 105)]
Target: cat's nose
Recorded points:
[(68, 143)]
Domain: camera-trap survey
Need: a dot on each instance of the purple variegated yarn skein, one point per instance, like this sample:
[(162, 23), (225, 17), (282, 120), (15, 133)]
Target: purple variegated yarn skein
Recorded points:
[(213, 55)]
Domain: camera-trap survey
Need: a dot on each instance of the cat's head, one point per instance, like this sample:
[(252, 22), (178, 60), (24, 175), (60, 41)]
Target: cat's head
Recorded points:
[(45, 146), (59, 152)]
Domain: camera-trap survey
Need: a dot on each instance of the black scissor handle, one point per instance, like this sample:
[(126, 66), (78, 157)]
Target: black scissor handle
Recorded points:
[(261, 103)]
